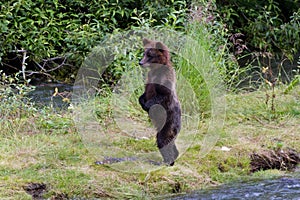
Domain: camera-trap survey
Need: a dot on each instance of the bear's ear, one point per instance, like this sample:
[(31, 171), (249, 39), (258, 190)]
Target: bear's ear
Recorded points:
[(146, 41), (161, 47), (164, 49)]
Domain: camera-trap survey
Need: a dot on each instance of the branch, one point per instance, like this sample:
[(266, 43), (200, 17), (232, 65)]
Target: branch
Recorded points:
[(24, 63), (52, 59), (19, 51), (59, 66), (42, 67), (29, 73), (15, 68)]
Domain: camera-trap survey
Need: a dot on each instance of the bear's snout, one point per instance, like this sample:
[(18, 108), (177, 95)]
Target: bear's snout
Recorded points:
[(142, 61)]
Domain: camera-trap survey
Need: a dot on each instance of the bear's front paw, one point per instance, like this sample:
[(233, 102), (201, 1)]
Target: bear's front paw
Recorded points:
[(142, 102), (151, 102), (142, 99), (158, 116)]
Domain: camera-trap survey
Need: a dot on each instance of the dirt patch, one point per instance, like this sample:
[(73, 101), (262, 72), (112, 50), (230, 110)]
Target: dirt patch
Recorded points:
[(36, 190), (275, 159), (60, 196)]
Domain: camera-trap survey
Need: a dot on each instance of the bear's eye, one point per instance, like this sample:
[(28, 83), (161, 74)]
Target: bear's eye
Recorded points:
[(150, 54)]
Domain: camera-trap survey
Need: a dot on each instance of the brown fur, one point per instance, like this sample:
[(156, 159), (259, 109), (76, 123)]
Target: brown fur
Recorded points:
[(160, 96)]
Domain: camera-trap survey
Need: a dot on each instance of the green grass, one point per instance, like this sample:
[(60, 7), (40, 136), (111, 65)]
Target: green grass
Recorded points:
[(45, 147)]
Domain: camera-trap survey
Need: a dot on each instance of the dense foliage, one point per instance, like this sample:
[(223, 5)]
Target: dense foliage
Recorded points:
[(51, 31), (270, 25), (57, 35), (255, 41)]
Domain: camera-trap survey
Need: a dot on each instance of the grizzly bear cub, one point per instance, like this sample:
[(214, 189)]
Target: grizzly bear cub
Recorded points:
[(160, 98)]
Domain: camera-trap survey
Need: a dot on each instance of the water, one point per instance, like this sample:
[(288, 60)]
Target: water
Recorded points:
[(278, 189), (43, 95)]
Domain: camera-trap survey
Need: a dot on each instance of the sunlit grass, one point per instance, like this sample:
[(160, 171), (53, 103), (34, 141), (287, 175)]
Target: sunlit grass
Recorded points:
[(57, 156)]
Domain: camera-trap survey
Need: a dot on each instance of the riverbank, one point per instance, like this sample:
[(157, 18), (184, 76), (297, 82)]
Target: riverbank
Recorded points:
[(287, 187), (43, 155)]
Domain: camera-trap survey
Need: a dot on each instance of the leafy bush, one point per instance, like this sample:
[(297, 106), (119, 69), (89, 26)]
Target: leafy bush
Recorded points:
[(267, 25), (13, 98), (250, 37), (52, 30)]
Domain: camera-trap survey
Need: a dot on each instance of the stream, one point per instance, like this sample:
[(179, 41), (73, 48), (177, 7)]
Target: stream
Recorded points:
[(285, 188), (43, 95)]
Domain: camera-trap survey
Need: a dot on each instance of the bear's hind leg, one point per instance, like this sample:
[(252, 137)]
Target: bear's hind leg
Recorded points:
[(169, 153), (168, 150)]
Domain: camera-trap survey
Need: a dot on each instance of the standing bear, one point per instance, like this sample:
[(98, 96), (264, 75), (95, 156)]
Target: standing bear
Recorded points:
[(160, 98)]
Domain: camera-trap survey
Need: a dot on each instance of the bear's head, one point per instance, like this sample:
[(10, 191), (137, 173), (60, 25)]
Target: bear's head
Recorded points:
[(155, 53)]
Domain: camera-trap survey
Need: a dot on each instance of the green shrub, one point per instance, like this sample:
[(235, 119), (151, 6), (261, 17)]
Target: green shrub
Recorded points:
[(58, 29), (249, 37), (268, 26), (14, 102)]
